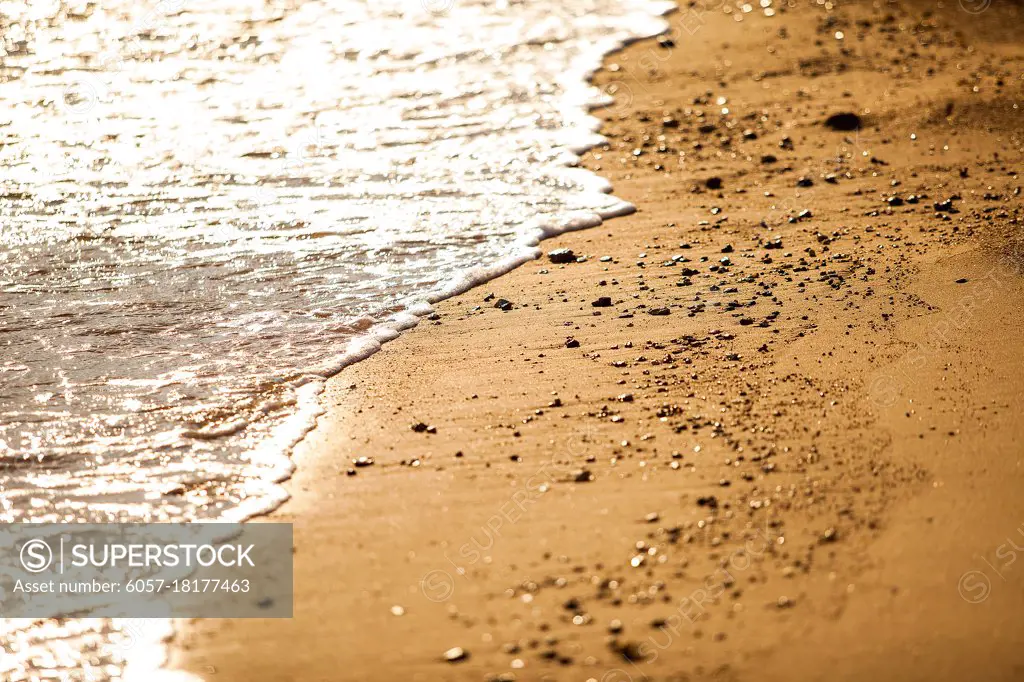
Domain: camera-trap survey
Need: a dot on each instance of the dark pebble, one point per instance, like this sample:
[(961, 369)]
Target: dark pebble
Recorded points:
[(572, 343), (713, 183), (603, 302), (846, 121), (631, 651)]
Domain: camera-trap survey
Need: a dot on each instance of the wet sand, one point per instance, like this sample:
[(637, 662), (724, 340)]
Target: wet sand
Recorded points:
[(767, 427)]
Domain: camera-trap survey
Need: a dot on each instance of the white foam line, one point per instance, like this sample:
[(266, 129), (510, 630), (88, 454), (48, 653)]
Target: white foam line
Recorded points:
[(273, 455)]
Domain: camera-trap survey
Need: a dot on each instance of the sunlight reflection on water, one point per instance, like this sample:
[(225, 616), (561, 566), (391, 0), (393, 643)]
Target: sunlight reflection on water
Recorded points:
[(206, 207)]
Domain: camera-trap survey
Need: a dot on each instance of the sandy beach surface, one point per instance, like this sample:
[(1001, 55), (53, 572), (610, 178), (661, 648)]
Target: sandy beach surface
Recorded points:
[(769, 427)]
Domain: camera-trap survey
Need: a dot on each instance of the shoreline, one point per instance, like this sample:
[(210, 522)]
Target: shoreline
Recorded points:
[(532, 549), (279, 445)]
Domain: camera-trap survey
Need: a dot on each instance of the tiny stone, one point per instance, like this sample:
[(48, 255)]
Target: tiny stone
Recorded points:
[(583, 476), (846, 121), (562, 256), (631, 651)]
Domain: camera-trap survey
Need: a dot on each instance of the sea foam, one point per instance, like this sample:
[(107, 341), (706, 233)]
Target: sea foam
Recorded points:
[(214, 207)]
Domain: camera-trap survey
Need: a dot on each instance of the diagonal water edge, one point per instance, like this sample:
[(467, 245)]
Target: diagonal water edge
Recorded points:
[(144, 649), (582, 134)]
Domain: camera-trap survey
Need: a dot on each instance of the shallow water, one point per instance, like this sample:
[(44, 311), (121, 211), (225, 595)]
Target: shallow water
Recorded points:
[(207, 208)]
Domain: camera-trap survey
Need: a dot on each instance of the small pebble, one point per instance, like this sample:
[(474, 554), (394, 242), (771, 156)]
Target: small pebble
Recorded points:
[(562, 256), (846, 121)]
